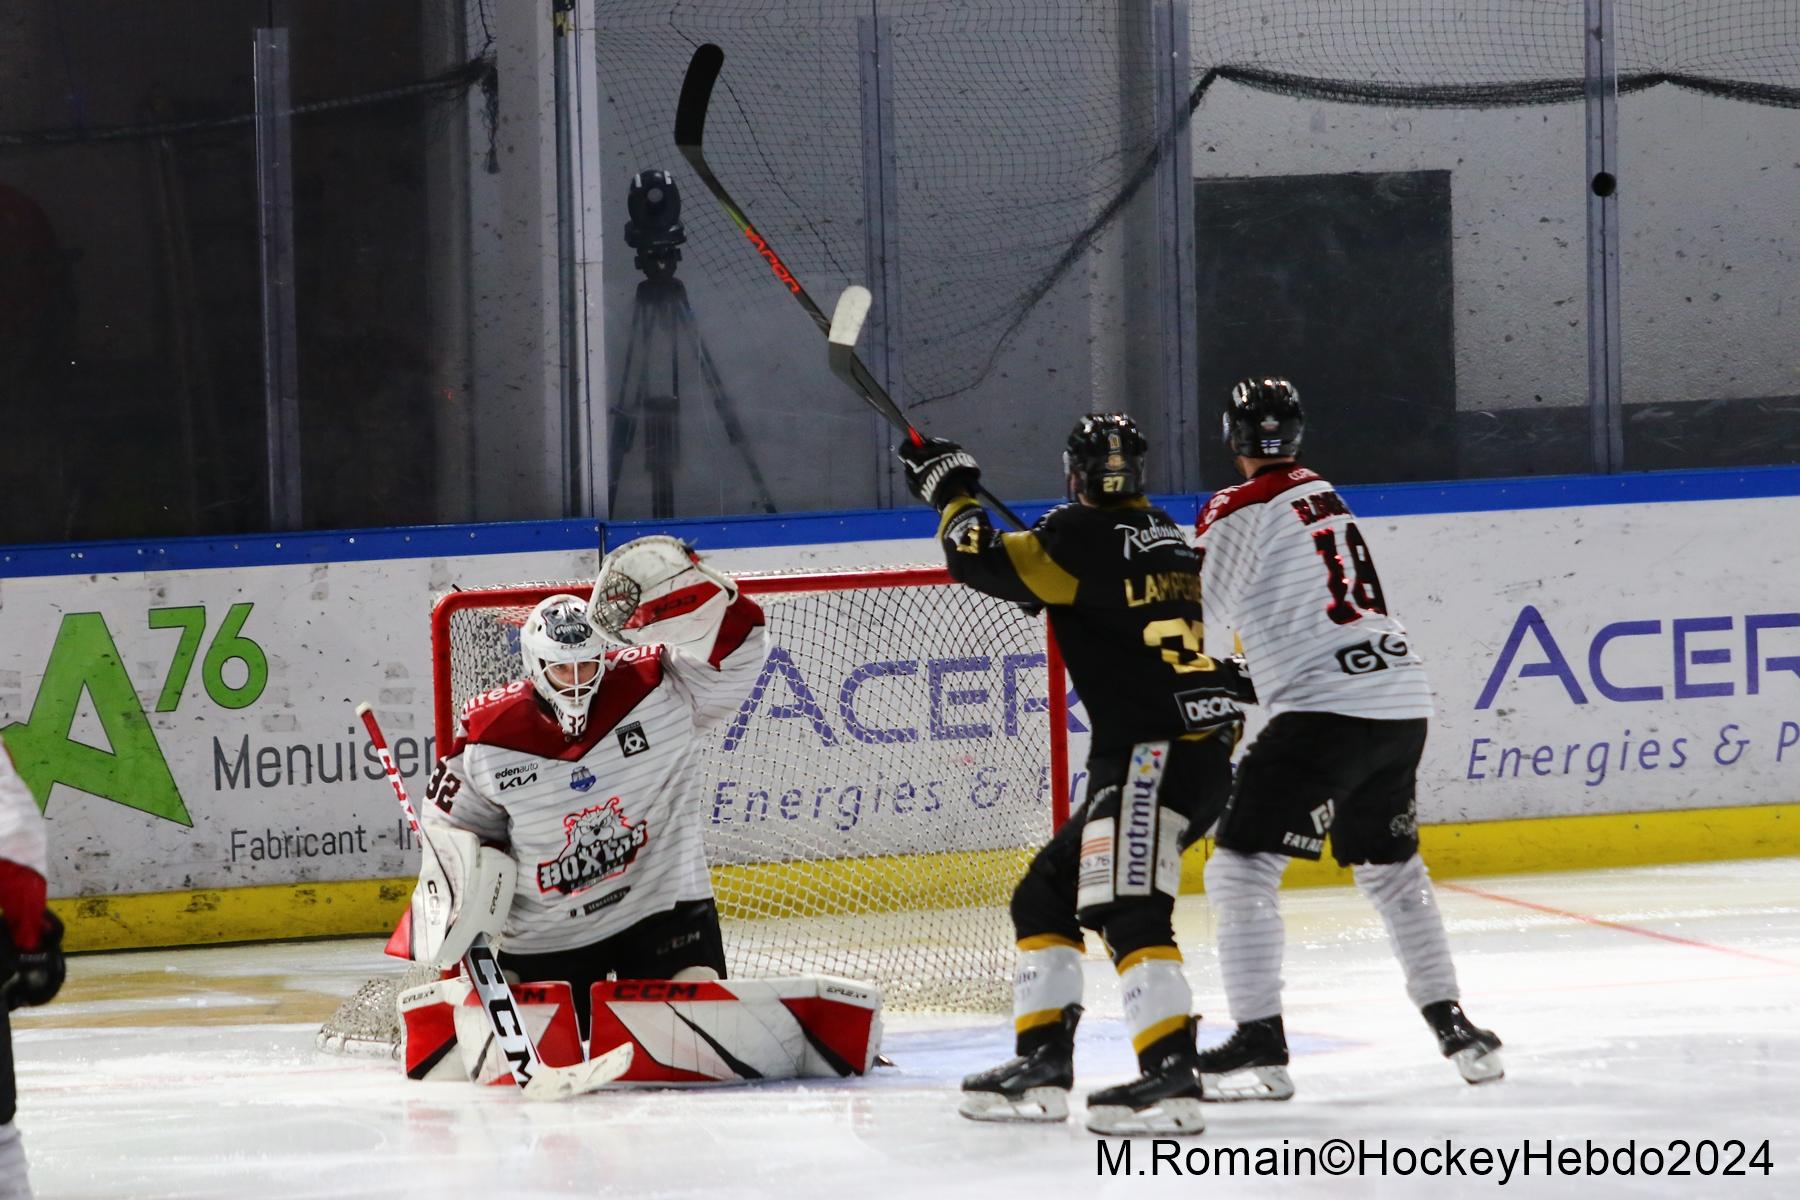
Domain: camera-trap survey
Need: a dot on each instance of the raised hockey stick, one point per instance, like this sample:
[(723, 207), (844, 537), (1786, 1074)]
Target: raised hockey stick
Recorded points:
[(538, 1082), (846, 325), (690, 134)]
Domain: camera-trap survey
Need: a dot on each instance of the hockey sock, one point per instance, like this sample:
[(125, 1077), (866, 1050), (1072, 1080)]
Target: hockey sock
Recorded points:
[(13, 1179), (1157, 1000), (1243, 892), (1402, 894), (1048, 980)]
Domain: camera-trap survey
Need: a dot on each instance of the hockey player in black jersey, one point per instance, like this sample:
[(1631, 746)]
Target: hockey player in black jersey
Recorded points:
[(1122, 588)]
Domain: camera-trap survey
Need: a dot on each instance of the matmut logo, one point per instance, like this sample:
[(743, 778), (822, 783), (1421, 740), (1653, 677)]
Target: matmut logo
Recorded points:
[(601, 844)]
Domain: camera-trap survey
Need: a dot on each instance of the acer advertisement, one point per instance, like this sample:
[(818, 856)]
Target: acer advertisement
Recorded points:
[(192, 729)]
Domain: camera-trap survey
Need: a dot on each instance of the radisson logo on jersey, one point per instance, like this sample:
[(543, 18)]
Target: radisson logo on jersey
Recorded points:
[(601, 844), (1156, 535)]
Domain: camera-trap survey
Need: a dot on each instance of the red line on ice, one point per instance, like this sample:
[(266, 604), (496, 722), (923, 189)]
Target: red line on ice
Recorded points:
[(1591, 920)]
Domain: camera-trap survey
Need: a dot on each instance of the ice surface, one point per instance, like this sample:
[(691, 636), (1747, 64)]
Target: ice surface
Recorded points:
[(1647, 1004)]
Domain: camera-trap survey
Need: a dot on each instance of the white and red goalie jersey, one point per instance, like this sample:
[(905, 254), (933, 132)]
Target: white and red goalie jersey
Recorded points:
[(605, 828), (1285, 566)]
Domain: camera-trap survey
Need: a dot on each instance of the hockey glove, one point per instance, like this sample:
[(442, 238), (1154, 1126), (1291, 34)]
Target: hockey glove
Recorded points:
[(938, 471), (656, 589), (32, 977)]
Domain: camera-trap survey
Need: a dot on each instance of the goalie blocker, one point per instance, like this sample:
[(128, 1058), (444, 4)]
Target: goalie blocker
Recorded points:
[(681, 1031)]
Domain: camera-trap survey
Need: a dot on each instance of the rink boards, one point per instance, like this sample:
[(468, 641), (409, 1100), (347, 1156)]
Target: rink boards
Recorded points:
[(1616, 665)]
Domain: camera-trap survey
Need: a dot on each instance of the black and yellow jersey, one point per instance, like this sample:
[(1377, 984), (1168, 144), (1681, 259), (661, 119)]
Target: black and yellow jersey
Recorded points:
[(1122, 588)]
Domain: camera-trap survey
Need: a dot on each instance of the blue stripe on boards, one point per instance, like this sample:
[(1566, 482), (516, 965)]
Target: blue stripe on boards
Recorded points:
[(851, 525)]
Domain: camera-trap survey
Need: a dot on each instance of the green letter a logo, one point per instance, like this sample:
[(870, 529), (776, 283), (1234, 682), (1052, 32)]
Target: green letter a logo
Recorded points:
[(134, 773)]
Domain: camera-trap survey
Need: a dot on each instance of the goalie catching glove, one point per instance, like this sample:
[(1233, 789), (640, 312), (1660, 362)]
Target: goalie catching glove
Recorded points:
[(656, 589), (938, 471)]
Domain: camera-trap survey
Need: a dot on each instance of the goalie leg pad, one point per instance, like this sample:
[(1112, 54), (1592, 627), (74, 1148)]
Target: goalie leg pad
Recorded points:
[(739, 1030), (465, 889), (548, 1010), (428, 1029)]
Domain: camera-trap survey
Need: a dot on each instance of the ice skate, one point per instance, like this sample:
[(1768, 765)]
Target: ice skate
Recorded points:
[(1474, 1051), (1251, 1065), (1165, 1099), (1032, 1087)]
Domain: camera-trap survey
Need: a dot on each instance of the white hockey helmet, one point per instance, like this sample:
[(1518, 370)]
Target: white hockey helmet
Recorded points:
[(559, 637)]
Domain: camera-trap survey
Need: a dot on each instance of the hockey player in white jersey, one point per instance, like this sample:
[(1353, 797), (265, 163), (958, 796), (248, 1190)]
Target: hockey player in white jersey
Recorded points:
[(1285, 566), (576, 770), (564, 824), (31, 959)]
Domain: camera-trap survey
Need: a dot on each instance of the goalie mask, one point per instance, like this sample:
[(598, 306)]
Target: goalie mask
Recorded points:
[(565, 657), (1104, 460)]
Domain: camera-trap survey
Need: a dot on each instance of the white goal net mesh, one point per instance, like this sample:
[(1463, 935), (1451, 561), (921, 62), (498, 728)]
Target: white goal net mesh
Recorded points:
[(878, 794)]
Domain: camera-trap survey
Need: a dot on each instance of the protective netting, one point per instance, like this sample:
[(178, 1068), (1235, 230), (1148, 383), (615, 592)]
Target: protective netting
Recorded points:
[(874, 801), (1024, 128)]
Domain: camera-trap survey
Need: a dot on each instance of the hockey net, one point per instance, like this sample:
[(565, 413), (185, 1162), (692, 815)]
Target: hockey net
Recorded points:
[(872, 803)]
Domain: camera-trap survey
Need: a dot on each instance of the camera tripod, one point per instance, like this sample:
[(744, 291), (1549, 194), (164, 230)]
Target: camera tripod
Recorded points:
[(662, 323)]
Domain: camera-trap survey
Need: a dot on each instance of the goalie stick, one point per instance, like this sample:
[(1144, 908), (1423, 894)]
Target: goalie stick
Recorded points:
[(690, 132), (537, 1081)]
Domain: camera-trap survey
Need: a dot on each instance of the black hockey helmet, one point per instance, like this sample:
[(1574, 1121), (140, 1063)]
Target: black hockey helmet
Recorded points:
[(1104, 460), (1263, 419)]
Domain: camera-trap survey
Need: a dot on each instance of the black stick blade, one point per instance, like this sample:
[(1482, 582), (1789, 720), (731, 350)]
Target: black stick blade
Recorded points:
[(696, 93)]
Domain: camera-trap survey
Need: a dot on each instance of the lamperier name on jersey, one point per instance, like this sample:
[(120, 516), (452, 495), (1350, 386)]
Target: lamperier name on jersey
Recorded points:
[(591, 822), (1123, 593), (1285, 566)]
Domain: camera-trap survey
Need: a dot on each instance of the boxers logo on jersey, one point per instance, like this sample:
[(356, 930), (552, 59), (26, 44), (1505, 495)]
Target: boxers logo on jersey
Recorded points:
[(601, 844), (581, 780), (632, 740)]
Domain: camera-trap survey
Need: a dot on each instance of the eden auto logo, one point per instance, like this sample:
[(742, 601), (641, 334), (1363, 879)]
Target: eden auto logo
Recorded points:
[(85, 660)]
